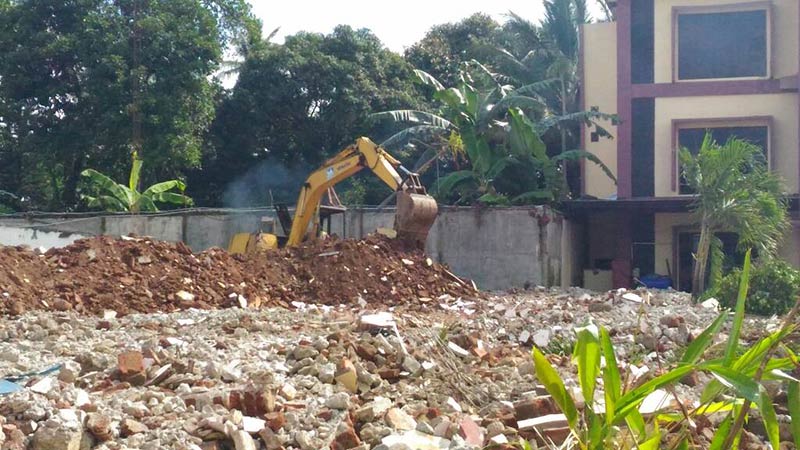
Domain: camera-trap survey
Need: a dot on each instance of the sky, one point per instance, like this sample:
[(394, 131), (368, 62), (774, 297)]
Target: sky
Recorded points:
[(397, 23)]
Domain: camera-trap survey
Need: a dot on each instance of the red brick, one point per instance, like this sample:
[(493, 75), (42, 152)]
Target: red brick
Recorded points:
[(275, 420), (471, 432), (130, 363), (534, 407), (346, 440)]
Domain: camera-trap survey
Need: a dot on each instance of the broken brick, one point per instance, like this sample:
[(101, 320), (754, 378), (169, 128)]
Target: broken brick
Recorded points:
[(129, 427), (471, 432), (275, 421), (130, 363), (345, 440), (534, 407)]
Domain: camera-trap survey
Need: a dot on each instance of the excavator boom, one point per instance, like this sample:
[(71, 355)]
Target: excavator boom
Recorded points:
[(416, 210)]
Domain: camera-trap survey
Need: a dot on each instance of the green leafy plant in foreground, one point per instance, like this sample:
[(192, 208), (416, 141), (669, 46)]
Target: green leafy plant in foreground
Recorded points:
[(735, 388), (109, 195)]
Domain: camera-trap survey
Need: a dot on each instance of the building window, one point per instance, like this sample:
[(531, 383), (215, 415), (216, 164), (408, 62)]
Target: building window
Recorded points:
[(690, 135), (722, 43)]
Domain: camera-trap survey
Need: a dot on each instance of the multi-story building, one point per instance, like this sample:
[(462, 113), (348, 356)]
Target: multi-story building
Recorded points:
[(673, 70)]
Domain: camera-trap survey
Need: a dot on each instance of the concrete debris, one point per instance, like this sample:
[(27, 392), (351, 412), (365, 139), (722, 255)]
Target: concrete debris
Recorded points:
[(416, 440), (129, 427), (243, 441), (328, 378), (44, 386), (711, 303), (346, 375), (631, 297), (542, 338), (657, 401), (458, 350), (399, 420), (338, 401), (57, 438)]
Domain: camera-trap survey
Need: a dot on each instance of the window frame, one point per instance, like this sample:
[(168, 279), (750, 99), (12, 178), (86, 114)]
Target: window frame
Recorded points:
[(677, 11), (720, 122)]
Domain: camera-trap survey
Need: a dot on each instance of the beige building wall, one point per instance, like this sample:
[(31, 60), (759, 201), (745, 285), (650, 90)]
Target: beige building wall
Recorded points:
[(600, 90), (784, 136), (784, 40)]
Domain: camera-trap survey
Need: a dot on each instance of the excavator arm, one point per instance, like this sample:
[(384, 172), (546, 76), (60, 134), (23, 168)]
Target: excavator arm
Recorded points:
[(416, 211)]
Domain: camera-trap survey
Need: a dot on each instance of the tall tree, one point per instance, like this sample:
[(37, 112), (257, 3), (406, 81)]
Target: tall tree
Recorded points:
[(297, 103), (735, 192), (550, 63), (89, 81), (447, 46)]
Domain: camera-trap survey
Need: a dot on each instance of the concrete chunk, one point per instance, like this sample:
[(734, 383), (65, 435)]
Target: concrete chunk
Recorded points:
[(243, 441)]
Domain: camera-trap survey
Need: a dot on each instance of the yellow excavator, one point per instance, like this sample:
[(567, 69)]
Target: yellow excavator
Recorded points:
[(416, 210)]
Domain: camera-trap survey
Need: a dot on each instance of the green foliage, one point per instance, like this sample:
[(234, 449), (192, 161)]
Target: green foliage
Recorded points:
[(447, 46), (595, 429), (297, 103), (81, 77), (6, 201), (509, 162), (774, 287), (108, 195), (736, 386), (735, 192)]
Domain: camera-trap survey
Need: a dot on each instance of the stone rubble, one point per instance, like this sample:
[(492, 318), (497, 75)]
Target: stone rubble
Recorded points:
[(323, 378)]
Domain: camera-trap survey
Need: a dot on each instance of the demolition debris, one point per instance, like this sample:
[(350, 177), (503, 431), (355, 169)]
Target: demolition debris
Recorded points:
[(142, 275)]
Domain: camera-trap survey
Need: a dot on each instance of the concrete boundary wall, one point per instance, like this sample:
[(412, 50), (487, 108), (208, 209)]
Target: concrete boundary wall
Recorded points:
[(499, 248)]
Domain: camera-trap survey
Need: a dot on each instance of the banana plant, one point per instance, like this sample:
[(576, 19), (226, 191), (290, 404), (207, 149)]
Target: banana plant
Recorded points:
[(109, 195), (7, 199), (509, 163)]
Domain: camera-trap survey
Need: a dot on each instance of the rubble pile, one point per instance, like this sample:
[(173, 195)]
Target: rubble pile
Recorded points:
[(318, 377), (141, 275)]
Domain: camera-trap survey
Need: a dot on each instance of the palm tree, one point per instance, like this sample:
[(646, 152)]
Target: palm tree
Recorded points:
[(735, 192), (546, 56), (486, 120), (608, 11), (230, 68)]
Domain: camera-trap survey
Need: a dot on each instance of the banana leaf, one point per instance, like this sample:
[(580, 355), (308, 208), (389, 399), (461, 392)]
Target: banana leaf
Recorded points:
[(103, 184)]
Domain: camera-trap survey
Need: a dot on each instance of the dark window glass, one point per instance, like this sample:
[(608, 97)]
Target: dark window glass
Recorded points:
[(722, 45), (642, 41), (692, 139), (643, 156)]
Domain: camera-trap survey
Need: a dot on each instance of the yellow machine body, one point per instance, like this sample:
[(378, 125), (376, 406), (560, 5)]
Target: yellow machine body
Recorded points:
[(416, 210)]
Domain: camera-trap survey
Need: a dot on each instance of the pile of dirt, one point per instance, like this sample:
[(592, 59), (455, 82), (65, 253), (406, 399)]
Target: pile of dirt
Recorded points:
[(142, 275)]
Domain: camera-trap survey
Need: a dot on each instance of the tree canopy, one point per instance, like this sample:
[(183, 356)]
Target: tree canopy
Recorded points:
[(109, 84), (303, 101), (91, 80)]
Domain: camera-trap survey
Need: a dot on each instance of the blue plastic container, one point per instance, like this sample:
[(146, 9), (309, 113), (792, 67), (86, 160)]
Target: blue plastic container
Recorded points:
[(656, 282)]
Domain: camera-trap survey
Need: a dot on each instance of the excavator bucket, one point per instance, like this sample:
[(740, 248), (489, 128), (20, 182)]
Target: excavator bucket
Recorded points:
[(415, 216)]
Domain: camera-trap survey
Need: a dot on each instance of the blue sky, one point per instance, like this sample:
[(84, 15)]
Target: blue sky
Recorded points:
[(397, 23)]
